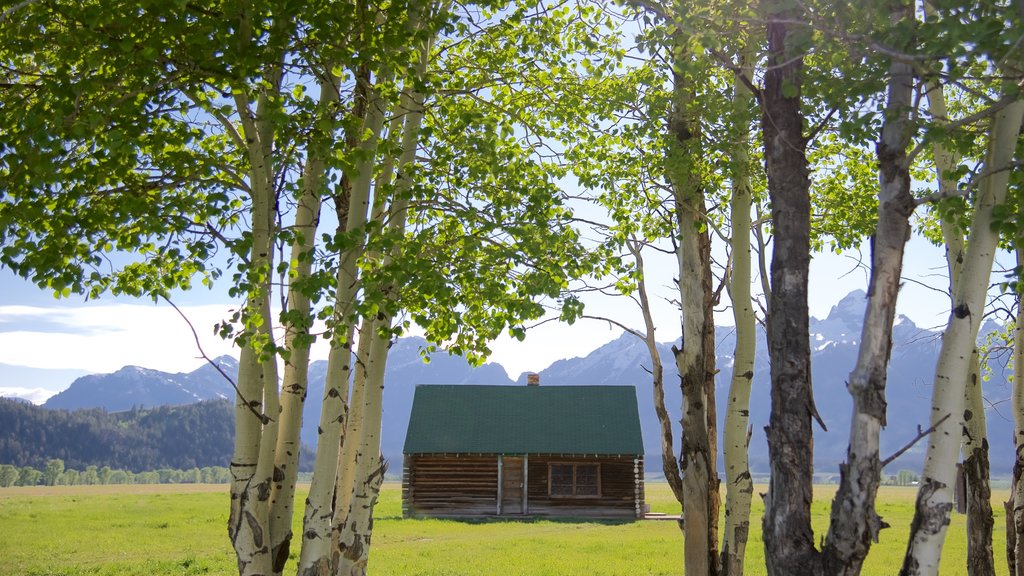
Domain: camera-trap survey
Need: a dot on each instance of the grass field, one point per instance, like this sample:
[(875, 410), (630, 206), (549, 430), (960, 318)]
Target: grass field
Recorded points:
[(180, 530)]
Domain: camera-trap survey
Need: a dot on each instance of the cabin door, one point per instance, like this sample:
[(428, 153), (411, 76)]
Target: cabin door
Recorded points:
[(512, 485)]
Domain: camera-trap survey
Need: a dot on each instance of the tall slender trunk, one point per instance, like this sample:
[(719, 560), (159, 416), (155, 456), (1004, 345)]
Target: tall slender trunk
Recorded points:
[(255, 436), (314, 557), (980, 522), (980, 558), (739, 485), (694, 361), (786, 527), (669, 463), (353, 550), (297, 343), (348, 462), (364, 474), (257, 412), (934, 500), (358, 214), (855, 524), (1015, 511)]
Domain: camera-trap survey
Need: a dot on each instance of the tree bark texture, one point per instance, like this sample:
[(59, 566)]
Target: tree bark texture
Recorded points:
[(348, 461), (980, 558), (695, 360), (855, 523), (355, 529), (739, 485), (257, 409), (980, 522), (297, 343), (934, 502), (352, 205), (1015, 513), (353, 551), (669, 463), (787, 533)]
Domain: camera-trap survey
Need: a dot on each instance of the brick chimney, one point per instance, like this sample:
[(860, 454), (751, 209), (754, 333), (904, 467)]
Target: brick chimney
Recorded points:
[(533, 379)]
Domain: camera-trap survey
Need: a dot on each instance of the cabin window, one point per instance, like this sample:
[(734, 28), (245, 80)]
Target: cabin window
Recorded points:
[(574, 480)]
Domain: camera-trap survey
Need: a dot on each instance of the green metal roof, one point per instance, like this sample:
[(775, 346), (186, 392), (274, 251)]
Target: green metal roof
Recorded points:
[(524, 420)]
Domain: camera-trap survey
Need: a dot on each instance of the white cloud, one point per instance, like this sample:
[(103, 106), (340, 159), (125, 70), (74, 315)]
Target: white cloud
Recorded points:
[(33, 395), (103, 338)]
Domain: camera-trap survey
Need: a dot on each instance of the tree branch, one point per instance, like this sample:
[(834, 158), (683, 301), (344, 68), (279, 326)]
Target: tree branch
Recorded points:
[(920, 434), (10, 11), (262, 417), (966, 189)]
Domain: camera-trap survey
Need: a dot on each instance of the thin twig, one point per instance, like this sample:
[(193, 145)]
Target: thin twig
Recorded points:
[(967, 188), (10, 11), (920, 434), (263, 417)]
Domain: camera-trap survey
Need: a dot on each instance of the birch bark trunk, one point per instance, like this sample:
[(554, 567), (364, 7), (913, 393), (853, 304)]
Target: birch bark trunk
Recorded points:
[(739, 485), (258, 408), (934, 500), (980, 558), (354, 539), (320, 509), (695, 360), (348, 463), (351, 555), (357, 531), (297, 343), (980, 522), (1016, 511), (855, 524)]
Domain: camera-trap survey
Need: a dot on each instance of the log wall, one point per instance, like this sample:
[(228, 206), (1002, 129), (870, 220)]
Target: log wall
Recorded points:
[(450, 485), (466, 486), (621, 488)]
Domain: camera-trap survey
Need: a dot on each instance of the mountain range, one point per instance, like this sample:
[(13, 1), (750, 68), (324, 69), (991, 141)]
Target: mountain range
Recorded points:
[(834, 342)]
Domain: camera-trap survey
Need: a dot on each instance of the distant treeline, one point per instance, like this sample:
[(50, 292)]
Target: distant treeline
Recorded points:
[(55, 474), (167, 437), (192, 436)]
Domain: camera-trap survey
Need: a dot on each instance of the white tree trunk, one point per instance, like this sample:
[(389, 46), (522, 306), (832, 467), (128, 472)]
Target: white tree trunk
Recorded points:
[(297, 343), (353, 549), (739, 485), (698, 462), (354, 539), (980, 522), (348, 462), (1016, 511), (854, 522), (934, 500), (669, 463), (257, 410), (980, 559), (314, 557)]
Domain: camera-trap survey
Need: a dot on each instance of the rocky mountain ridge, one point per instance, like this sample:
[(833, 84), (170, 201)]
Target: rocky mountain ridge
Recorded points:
[(624, 360)]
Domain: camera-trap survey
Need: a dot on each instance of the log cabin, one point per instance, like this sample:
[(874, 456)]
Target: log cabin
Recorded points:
[(523, 451)]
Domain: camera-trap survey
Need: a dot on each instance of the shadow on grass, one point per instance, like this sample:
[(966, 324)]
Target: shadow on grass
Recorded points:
[(522, 520)]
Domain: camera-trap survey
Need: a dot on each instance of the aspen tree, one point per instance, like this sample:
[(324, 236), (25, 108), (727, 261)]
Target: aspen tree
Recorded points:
[(736, 437), (854, 521), (1015, 511), (980, 559), (934, 499)]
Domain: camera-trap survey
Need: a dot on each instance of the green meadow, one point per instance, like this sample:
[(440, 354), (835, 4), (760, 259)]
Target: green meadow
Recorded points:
[(180, 530)]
